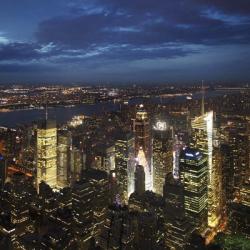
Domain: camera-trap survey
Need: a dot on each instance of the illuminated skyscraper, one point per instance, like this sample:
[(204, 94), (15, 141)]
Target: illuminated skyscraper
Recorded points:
[(63, 159), (178, 227), (104, 157), (236, 134), (202, 139), (125, 164), (178, 145), (47, 153), (237, 138), (162, 155), (141, 128), (76, 164), (83, 208), (194, 177), (90, 199)]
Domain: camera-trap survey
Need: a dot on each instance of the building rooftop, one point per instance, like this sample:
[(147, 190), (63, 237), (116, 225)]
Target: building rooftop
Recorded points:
[(191, 154)]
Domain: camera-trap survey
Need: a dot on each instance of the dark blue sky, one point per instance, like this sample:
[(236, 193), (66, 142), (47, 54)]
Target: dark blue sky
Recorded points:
[(124, 40)]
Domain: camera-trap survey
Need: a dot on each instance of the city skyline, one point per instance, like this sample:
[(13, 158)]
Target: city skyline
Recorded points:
[(124, 42), (124, 168), (125, 124)]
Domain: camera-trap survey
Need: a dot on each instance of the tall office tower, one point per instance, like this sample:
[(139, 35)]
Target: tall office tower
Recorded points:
[(100, 185), (139, 179), (82, 206), (227, 175), (202, 138), (76, 164), (178, 145), (90, 198), (235, 150), (141, 128), (194, 177), (27, 154), (177, 226), (46, 153), (3, 171), (104, 157), (238, 141), (162, 155), (125, 164), (63, 159)]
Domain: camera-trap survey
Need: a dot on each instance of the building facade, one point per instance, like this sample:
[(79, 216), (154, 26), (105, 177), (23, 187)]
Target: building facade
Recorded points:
[(47, 153), (194, 177)]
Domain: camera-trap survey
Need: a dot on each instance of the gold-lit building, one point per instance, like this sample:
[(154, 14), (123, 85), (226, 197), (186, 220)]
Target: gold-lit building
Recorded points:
[(203, 138), (125, 164), (162, 155), (46, 153)]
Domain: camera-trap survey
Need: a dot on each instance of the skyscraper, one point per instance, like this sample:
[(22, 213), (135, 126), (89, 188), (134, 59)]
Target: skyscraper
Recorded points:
[(141, 128), (83, 209), (76, 164), (178, 227), (125, 164), (162, 155), (46, 153), (90, 199), (139, 179), (237, 139), (202, 138), (63, 159), (194, 177)]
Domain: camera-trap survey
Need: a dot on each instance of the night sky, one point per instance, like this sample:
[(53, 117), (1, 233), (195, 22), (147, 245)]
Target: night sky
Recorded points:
[(123, 41)]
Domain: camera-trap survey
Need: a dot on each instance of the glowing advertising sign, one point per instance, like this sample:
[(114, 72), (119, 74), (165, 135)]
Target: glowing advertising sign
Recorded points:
[(160, 126)]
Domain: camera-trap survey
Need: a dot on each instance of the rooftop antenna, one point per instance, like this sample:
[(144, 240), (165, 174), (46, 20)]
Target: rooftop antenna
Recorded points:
[(202, 99)]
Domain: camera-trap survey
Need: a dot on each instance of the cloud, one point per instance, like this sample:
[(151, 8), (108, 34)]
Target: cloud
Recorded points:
[(140, 23), (103, 33), (3, 38), (239, 7), (22, 51)]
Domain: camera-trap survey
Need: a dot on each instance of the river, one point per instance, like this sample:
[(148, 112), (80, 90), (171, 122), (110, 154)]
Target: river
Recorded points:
[(63, 114)]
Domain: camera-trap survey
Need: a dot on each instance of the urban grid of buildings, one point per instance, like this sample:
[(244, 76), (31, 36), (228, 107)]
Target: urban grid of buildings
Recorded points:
[(149, 175)]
